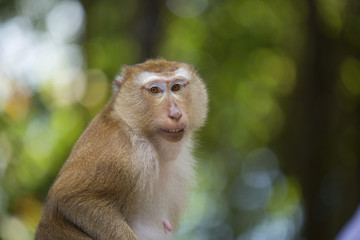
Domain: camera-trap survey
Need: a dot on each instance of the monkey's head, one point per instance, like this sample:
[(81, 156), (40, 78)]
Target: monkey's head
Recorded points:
[(161, 98)]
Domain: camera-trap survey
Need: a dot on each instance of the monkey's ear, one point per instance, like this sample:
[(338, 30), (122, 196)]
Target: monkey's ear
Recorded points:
[(118, 81)]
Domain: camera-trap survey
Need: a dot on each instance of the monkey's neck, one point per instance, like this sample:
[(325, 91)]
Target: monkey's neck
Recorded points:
[(169, 151)]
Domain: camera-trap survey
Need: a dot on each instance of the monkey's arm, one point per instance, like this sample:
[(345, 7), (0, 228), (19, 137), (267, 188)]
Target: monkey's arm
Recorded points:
[(94, 199), (96, 218), (94, 189)]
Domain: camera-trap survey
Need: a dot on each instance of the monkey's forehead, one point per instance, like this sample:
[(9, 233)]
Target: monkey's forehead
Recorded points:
[(147, 76), (158, 65)]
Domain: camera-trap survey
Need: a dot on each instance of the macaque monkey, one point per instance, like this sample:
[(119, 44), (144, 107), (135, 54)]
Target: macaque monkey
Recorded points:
[(128, 175)]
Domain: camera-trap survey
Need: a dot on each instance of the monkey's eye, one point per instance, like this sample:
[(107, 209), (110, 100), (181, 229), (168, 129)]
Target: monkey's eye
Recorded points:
[(176, 87), (154, 90)]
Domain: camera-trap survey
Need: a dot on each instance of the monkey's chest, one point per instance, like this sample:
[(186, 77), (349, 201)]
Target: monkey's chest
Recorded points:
[(156, 229), (156, 218)]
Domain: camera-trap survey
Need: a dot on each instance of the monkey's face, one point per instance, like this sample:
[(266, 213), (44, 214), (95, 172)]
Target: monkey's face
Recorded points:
[(161, 99), (167, 99)]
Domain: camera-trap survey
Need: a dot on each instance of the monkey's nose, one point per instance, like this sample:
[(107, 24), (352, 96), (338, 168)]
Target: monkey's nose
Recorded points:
[(174, 111), (175, 114)]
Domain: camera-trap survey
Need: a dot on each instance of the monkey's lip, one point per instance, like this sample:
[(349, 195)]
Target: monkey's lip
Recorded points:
[(173, 135)]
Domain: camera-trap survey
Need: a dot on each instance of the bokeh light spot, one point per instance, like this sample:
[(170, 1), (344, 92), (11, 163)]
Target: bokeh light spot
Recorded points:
[(65, 21), (187, 8)]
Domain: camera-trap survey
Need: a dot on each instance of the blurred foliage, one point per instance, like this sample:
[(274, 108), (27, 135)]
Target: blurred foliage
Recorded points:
[(279, 156)]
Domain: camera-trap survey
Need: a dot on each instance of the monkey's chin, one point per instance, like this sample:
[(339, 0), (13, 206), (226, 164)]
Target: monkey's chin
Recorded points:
[(172, 135)]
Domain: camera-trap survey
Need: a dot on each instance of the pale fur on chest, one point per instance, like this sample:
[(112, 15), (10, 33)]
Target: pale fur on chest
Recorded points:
[(166, 190)]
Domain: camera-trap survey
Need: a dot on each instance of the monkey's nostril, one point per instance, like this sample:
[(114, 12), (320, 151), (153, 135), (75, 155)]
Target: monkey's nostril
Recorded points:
[(175, 115)]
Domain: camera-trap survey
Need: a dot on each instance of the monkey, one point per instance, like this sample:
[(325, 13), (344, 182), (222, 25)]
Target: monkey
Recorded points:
[(128, 175)]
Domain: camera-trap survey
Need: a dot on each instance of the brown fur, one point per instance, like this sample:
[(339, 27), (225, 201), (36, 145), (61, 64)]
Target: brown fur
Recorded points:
[(122, 179)]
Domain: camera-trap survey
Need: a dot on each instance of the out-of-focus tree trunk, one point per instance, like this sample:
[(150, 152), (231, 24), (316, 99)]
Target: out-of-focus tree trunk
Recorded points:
[(148, 27), (312, 106), (142, 24), (311, 135)]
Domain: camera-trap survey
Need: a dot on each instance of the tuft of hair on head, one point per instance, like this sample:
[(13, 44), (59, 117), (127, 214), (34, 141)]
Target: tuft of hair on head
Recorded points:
[(117, 83), (119, 79)]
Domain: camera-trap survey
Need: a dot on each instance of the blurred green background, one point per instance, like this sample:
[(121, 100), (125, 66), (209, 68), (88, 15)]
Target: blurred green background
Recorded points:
[(279, 156)]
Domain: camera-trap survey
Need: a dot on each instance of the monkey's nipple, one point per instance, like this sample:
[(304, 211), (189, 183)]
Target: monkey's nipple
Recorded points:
[(167, 225)]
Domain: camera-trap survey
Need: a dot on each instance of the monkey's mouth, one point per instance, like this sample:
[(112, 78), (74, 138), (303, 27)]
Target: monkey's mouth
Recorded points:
[(173, 135), (173, 131)]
